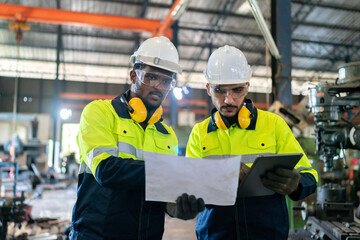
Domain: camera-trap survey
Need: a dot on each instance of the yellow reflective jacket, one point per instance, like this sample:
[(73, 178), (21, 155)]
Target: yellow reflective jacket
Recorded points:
[(260, 217), (111, 197)]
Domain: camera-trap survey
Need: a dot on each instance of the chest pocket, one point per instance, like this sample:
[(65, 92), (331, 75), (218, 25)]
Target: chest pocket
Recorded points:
[(124, 134), (165, 145), (210, 148), (262, 144), (126, 142)]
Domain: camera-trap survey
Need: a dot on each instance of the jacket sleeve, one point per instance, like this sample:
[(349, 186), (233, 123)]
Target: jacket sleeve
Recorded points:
[(193, 145), (98, 150), (287, 143)]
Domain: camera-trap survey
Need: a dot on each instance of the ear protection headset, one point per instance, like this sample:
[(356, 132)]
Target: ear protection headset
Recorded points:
[(244, 118), (138, 111)]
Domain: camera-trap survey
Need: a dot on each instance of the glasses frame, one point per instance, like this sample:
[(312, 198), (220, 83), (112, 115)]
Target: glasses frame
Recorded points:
[(229, 91), (141, 75)]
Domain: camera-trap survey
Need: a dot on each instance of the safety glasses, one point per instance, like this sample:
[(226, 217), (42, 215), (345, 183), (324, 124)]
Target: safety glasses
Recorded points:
[(155, 79), (235, 92)]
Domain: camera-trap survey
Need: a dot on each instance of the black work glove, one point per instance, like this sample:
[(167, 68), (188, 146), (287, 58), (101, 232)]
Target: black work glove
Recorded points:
[(186, 207), (282, 181)]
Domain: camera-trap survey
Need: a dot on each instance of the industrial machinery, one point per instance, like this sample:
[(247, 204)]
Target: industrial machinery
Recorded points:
[(332, 216), (12, 210)]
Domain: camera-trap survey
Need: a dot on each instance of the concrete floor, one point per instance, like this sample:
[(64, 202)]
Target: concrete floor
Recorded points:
[(59, 204)]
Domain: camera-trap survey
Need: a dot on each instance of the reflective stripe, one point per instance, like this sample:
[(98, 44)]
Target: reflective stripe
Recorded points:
[(97, 151), (217, 156), (247, 158), (304, 168), (130, 149), (250, 158), (122, 148), (84, 168)]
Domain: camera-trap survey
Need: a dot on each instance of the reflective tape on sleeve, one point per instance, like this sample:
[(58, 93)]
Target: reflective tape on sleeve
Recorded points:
[(122, 147)]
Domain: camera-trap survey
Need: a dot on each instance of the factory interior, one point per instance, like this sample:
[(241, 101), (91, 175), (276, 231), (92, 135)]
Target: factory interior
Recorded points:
[(58, 56)]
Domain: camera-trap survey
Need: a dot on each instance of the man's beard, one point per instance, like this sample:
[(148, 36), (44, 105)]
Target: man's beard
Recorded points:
[(233, 119), (150, 107)]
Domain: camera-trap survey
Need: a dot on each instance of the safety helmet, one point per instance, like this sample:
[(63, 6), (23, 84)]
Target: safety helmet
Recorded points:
[(227, 65), (158, 52)]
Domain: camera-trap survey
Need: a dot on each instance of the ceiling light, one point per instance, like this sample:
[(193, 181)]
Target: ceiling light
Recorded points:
[(65, 113), (179, 9), (178, 93), (244, 8)]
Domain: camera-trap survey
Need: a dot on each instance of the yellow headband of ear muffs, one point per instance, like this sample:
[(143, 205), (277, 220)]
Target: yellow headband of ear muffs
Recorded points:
[(139, 112), (244, 119)]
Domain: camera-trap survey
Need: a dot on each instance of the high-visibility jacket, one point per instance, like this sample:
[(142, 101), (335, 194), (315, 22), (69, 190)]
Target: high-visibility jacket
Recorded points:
[(111, 197), (254, 217)]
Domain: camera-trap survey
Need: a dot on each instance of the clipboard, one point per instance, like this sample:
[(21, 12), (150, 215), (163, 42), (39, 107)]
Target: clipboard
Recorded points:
[(251, 185)]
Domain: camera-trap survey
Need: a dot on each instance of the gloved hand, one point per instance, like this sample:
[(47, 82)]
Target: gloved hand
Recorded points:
[(282, 181), (186, 207)]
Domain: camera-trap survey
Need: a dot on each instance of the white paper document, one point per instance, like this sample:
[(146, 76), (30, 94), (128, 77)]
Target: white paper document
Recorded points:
[(214, 180)]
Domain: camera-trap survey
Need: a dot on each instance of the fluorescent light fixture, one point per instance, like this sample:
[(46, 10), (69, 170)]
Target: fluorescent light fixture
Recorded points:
[(179, 9), (185, 90), (264, 29), (244, 8), (65, 113), (178, 93)]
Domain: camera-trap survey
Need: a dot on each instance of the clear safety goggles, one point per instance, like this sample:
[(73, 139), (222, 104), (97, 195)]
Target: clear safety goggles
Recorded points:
[(234, 92), (155, 79)]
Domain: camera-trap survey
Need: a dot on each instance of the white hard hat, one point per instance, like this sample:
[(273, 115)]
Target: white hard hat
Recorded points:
[(227, 65), (158, 52)]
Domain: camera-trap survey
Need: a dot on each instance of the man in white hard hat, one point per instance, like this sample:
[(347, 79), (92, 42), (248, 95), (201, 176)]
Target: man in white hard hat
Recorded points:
[(112, 137), (237, 127)]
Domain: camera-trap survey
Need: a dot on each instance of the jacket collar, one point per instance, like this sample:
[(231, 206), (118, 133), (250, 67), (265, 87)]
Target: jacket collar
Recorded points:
[(122, 112), (249, 105)]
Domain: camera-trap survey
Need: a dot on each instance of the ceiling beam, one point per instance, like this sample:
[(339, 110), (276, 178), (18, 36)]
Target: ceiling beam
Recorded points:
[(327, 5), (259, 36), (250, 17), (168, 21), (65, 17), (229, 32), (127, 66), (252, 51), (115, 24)]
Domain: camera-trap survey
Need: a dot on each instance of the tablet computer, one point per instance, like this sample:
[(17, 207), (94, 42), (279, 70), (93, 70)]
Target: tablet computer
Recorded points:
[(251, 185)]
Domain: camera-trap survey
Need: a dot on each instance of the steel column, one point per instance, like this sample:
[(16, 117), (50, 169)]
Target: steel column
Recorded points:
[(173, 100), (281, 31), (56, 90), (209, 100)]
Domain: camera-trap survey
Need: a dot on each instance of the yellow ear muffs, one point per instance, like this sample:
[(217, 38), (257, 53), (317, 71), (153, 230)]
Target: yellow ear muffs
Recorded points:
[(140, 112), (156, 115), (244, 117), (219, 121)]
